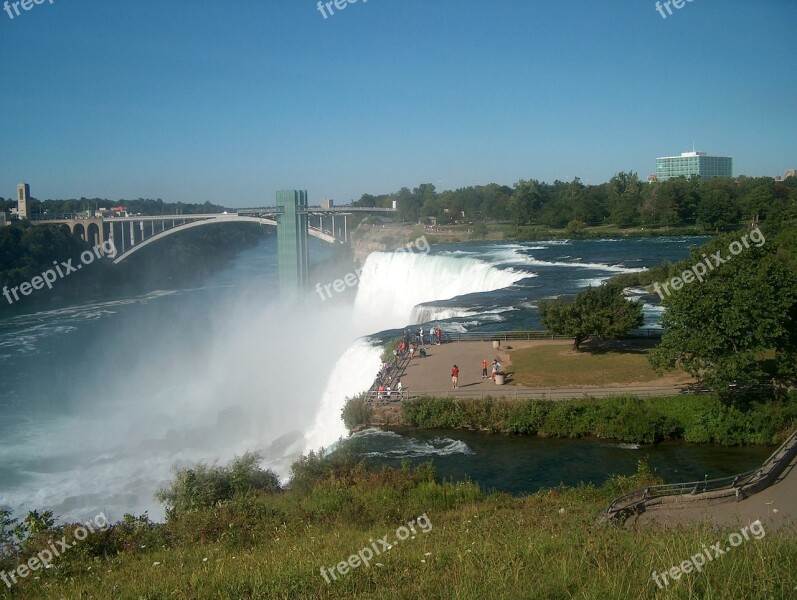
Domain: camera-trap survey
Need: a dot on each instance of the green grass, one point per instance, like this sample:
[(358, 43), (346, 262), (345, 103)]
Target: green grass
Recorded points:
[(558, 366), (546, 545)]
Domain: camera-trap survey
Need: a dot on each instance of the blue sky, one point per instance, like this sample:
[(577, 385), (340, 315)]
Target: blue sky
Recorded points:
[(195, 100)]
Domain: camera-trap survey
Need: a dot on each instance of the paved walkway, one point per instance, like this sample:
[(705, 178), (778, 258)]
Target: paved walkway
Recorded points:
[(776, 506), (432, 374)]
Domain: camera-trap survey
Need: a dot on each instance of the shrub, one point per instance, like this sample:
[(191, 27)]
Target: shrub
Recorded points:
[(356, 412), (205, 486)]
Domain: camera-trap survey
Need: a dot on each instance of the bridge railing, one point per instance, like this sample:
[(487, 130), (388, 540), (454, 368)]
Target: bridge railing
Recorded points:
[(739, 485)]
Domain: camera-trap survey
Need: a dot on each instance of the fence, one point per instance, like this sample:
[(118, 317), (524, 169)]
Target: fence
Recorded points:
[(739, 486), (513, 393), (531, 334)]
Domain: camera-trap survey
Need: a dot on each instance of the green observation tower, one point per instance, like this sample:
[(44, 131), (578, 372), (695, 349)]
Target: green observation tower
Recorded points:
[(292, 241)]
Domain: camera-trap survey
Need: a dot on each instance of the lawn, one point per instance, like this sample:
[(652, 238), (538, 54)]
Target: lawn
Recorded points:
[(598, 363)]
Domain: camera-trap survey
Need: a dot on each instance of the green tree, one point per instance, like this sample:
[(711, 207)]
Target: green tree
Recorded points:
[(409, 205), (625, 199), (525, 200), (717, 210), (720, 329), (600, 312)]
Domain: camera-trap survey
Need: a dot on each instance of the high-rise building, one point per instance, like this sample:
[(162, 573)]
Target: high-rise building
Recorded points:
[(23, 201), (790, 173), (693, 163)]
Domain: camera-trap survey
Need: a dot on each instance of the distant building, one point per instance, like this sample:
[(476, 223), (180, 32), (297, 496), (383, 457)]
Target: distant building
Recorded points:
[(790, 173), (23, 201), (693, 163), (327, 204)]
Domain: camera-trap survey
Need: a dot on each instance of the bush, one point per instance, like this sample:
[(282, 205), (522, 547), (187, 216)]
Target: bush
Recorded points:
[(205, 486), (356, 412)]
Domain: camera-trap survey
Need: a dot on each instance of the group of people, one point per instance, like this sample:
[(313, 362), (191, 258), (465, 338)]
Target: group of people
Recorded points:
[(408, 345), (495, 370), (384, 391), (435, 336)]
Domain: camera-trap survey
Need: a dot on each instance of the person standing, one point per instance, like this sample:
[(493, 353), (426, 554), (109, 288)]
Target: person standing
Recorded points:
[(420, 336), (439, 336), (484, 369), (455, 376), (432, 335), (496, 369)]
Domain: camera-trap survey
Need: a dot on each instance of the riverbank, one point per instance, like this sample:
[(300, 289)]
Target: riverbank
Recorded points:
[(700, 419)]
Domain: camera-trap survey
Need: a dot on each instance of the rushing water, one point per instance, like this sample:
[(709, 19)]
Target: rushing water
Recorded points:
[(100, 401)]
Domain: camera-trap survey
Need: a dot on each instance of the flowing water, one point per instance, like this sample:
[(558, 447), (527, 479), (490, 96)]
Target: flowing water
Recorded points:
[(101, 400)]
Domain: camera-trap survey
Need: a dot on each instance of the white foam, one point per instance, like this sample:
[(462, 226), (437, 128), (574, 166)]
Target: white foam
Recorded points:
[(392, 285)]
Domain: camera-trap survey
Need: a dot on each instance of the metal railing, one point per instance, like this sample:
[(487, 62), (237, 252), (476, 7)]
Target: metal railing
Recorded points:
[(512, 393), (531, 334), (740, 485)]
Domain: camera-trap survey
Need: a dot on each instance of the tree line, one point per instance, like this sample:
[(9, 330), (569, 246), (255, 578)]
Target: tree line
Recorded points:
[(624, 201), (143, 206)]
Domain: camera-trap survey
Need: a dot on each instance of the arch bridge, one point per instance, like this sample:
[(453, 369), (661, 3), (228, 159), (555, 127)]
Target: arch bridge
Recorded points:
[(292, 217)]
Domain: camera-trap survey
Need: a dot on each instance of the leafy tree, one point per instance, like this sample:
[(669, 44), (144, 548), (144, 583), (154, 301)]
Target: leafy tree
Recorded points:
[(600, 312), (409, 205), (525, 200), (495, 199), (7, 537), (718, 330), (625, 199), (717, 210), (757, 203)]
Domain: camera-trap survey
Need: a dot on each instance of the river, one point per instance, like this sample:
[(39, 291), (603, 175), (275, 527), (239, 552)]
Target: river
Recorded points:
[(100, 401)]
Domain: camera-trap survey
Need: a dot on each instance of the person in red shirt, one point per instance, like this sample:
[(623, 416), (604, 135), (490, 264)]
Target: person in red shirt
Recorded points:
[(455, 376), (484, 369)]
